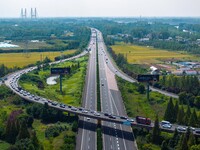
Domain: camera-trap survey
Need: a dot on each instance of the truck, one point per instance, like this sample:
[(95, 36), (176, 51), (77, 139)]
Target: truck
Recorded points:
[(143, 120)]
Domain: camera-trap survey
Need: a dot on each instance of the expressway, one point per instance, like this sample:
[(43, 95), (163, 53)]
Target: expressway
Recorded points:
[(12, 83), (89, 102), (113, 67), (115, 136)]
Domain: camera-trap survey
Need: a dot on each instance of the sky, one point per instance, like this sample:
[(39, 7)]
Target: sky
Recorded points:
[(102, 8)]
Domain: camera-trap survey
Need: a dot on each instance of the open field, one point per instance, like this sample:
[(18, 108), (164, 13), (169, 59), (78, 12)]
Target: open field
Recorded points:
[(23, 59), (148, 55)]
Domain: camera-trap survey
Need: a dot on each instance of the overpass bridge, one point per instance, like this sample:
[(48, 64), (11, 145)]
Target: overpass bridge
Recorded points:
[(12, 83)]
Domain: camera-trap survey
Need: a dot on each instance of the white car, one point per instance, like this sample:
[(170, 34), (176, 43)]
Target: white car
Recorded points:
[(168, 126), (181, 129)]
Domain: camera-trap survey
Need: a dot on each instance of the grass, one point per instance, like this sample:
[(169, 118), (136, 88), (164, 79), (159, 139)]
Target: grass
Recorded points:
[(147, 55), (52, 143), (4, 145), (72, 85), (23, 59), (136, 104)]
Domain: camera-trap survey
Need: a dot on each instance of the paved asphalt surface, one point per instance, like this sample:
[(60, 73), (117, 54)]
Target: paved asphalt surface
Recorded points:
[(124, 76), (87, 139), (115, 136)]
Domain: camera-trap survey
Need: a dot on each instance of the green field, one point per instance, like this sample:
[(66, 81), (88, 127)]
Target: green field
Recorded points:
[(137, 104), (72, 85), (23, 59), (147, 55)]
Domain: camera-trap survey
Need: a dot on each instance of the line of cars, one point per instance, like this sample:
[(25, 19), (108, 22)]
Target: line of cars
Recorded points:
[(14, 85), (140, 120), (168, 125)]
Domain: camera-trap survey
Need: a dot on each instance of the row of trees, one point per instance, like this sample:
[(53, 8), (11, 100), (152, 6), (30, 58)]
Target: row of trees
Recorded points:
[(157, 32), (176, 113), (179, 141), (45, 113), (177, 84), (18, 131)]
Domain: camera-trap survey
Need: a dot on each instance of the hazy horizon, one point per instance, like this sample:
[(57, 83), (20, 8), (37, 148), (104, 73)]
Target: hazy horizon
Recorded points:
[(103, 8)]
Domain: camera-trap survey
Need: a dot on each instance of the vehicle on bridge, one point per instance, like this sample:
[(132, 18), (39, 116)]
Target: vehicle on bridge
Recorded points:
[(142, 120)]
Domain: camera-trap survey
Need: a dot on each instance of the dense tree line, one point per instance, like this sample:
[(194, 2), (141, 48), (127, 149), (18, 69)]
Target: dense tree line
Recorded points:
[(45, 113), (187, 87), (177, 84), (155, 30), (176, 113), (43, 29), (18, 132)]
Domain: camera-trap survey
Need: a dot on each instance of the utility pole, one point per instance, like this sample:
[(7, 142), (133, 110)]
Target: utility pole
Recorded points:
[(148, 91), (61, 83)]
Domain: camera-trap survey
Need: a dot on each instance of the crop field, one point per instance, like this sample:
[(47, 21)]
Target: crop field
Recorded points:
[(148, 55), (23, 59)]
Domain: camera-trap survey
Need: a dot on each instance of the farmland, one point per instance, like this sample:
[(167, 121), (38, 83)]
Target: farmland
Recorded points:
[(23, 59), (148, 55)]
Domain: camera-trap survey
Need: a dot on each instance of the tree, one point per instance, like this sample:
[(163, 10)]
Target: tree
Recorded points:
[(141, 89), (183, 145), (11, 131), (183, 98), (191, 140), (169, 113), (197, 101), (180, 116), (174, 140), (164, 145), (23, 131), (156, 132), (176, 109), (45, 113), (195, 147), (193, 119), (187, 115), (24, 144)]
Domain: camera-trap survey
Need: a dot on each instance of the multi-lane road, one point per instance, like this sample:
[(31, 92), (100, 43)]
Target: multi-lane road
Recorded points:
[(113, 115), (115, 136), (87, 137)]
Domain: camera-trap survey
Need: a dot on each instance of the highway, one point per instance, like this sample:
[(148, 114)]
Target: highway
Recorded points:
[(113, 67), (115, 136), (87, 139), (117, 133)]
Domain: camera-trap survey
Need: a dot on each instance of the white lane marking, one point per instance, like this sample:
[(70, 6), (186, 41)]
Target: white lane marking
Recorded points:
[(119, 125)]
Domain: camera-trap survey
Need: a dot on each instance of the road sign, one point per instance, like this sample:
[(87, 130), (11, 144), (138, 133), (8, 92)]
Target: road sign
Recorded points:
[(60, 71), (147, 78)]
